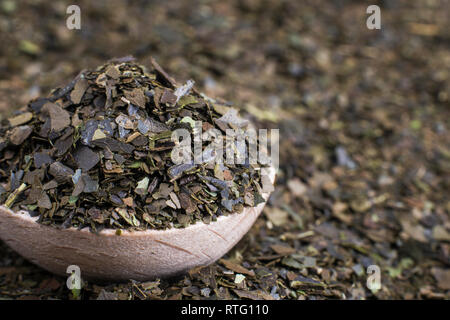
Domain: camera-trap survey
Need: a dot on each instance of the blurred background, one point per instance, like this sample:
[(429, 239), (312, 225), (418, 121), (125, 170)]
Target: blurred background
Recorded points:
[(364, 125)]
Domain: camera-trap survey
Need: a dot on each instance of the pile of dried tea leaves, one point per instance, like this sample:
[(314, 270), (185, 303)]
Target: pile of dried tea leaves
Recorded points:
[(97, 153)]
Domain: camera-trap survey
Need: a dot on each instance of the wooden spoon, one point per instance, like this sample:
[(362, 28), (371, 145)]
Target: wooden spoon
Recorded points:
[(138, 255)]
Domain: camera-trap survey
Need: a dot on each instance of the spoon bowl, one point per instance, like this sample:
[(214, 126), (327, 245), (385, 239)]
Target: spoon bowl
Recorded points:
[(137, 255)]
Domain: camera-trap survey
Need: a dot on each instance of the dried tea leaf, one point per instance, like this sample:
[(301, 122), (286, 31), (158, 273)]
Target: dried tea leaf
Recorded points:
[(20, 119), (236, 267), (178, 170), (128, 201), (113, 72), (59, 118), (142, 186), (90, 185), (62, 145), (186, 203), (42, 158), (168, 97), (113, 145), (277, 216), (52, 184), (231, 120), (60, 172), (136, 97), (128, 216), (282, 249), (44, 201), (175, 200), (442, 277), (20, 134), (78, 91), (183, 219), (86, 158)]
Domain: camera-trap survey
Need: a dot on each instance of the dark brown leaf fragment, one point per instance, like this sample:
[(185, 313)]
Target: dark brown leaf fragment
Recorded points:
[(86, 158), (78, 91), (20, 134), (60, 172)]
